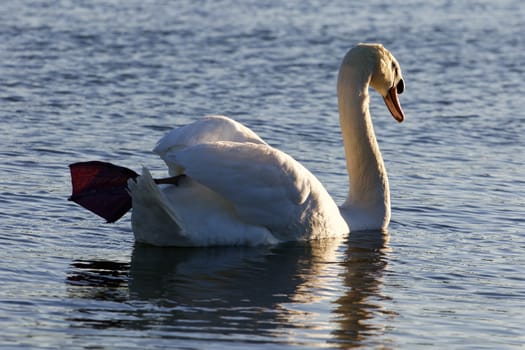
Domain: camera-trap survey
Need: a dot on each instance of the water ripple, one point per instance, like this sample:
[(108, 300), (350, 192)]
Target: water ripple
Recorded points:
[(105, 80)]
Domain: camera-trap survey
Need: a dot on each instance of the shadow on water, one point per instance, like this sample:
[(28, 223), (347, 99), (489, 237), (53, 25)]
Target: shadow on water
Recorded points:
[(250, 294)]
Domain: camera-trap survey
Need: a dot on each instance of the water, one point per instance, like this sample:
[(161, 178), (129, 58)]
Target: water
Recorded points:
[(104, 80)]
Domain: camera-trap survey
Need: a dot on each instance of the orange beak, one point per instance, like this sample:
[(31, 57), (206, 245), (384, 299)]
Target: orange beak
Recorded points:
[(392, 102)]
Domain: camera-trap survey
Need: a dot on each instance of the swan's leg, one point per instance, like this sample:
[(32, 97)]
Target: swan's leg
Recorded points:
[(174, 180)]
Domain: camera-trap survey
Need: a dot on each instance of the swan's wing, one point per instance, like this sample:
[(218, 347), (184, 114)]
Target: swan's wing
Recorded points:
[(209, 129), (266, 186)]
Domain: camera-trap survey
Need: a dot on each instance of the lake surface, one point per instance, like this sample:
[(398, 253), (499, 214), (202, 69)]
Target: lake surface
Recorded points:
[(104, 80)]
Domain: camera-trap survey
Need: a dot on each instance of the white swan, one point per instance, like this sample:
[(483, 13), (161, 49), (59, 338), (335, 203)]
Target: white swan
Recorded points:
[(236, 189)]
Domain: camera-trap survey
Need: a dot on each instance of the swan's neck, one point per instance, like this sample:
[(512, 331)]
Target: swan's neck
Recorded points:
[(367, 205)]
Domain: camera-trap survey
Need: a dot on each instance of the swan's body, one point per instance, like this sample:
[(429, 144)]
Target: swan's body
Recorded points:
[(239, 190)]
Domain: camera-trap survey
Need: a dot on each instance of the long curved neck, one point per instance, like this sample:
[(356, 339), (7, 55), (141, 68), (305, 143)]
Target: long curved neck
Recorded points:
[(367, 205)]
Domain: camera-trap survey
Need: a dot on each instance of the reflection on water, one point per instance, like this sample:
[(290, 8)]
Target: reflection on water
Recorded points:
[(359, 314), (249, 294)]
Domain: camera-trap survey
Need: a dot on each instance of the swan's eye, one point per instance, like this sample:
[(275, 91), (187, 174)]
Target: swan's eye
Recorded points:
[(400, 86), (394, 68)]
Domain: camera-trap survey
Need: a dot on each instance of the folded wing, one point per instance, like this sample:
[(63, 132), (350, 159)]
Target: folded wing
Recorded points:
[(267, 187)]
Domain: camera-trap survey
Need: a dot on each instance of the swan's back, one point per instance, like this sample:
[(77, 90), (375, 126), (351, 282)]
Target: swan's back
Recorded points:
[(207, 130), (237, 190)]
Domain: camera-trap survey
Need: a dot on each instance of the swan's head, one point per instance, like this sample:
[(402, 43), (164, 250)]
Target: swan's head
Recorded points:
[(385, 74)]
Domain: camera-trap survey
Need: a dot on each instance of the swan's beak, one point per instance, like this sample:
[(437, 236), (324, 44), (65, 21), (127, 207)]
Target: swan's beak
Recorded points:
[(392, 102)]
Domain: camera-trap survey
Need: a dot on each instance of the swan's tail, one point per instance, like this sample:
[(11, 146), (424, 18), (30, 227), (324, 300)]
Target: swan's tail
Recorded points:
[(152, 219)]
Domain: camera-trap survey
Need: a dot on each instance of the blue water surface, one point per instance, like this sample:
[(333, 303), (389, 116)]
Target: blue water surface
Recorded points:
[(83, 80)]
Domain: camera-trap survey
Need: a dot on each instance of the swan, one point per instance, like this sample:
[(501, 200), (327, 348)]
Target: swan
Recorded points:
[(229, 187)]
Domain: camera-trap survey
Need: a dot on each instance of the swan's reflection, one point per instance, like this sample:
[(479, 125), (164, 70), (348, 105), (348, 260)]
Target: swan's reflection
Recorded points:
[(250, 294), (359, 312)]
